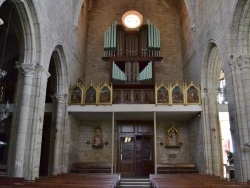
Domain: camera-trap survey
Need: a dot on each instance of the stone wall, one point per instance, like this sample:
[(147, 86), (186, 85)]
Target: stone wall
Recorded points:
[(172, 155), (73, 141), (86, 152)]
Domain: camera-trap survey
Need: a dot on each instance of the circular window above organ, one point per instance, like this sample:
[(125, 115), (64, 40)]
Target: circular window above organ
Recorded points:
[(132, 19)]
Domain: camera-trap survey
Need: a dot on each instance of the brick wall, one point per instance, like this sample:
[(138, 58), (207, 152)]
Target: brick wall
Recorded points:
[(165, 17)]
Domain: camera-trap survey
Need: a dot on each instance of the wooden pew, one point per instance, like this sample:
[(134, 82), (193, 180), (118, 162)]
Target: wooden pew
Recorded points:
[(91, 167), (77, 180), (11, 181), (171, 168), (192, 180), (84, 186)]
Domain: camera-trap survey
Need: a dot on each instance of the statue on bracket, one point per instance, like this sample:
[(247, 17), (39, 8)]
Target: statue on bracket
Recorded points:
[(97, 139), (172, 138)]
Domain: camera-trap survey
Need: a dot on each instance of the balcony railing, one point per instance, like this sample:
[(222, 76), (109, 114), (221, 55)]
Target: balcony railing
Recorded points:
[(162, 94)]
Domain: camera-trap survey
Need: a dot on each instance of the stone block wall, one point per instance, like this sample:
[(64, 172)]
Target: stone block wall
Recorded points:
[(172, 155), (86, 134)]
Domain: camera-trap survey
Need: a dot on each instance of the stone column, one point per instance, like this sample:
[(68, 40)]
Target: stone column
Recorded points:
[(244, 66), (58, 138), (206, 134), (244, 132), (23, 119), (36, 131)]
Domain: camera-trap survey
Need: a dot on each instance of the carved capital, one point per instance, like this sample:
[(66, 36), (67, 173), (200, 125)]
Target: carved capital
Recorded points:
[(232, 62), (59, 98), (27, 69), (243, 62), (40, 69)]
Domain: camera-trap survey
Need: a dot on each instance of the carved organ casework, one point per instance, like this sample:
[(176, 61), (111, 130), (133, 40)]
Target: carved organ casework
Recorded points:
[(132, 52)]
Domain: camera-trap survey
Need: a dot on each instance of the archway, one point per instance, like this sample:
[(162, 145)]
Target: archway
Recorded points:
[(53, 128), (17, 37), (211, 127)]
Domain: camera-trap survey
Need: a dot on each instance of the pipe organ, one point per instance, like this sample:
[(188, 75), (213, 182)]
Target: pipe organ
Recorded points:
[(133, 53)]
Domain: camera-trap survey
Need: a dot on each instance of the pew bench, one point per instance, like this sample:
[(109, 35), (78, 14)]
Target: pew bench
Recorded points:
[(11, 181), (172, 168), (91, 167)]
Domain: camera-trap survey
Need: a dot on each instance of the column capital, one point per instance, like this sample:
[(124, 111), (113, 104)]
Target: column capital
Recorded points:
[(27, 69), (39, 68), (243, 62), (59, 98), (232, 62)]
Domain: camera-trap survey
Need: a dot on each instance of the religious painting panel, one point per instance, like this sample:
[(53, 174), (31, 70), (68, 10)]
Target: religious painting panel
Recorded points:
[(177, 95), (105, 96), (91, 95), (162, 94), (193, 94), (76, 94)]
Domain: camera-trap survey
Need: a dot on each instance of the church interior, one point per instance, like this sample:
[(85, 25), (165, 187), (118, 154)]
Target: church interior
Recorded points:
[(151, 89)]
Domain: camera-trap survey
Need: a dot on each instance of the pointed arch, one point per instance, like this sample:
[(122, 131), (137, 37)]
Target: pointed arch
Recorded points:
[(209, 84), (239, 29), (191, 4), (77, 11), (61, 68), (25, 29), (29, 30)]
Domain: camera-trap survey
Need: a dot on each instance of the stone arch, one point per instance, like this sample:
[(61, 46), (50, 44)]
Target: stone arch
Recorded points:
[(25, 29), (77, 11), (61, 69), (28, 30), (190, 4), (209, 84), (239, 29)]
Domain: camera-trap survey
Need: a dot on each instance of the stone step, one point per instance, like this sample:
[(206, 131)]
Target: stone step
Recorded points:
[(134, 182), (138, 186)]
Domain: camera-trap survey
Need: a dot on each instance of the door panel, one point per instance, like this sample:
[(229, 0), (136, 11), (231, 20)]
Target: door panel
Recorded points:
[(136, 148), (139, 155), (147, 155), (127, 155)]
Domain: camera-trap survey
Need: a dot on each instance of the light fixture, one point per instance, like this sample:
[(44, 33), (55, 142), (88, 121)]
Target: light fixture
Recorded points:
[(132, 19), (1, 21)]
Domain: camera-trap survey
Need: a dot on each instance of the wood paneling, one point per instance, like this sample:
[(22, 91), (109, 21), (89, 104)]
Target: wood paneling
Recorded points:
[(127, 128), (136, 148)]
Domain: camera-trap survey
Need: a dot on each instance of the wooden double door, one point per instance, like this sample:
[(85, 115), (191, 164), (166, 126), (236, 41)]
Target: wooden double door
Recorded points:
[(135, 151)]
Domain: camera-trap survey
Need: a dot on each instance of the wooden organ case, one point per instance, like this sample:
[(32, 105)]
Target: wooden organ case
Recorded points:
[(132, 54)]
